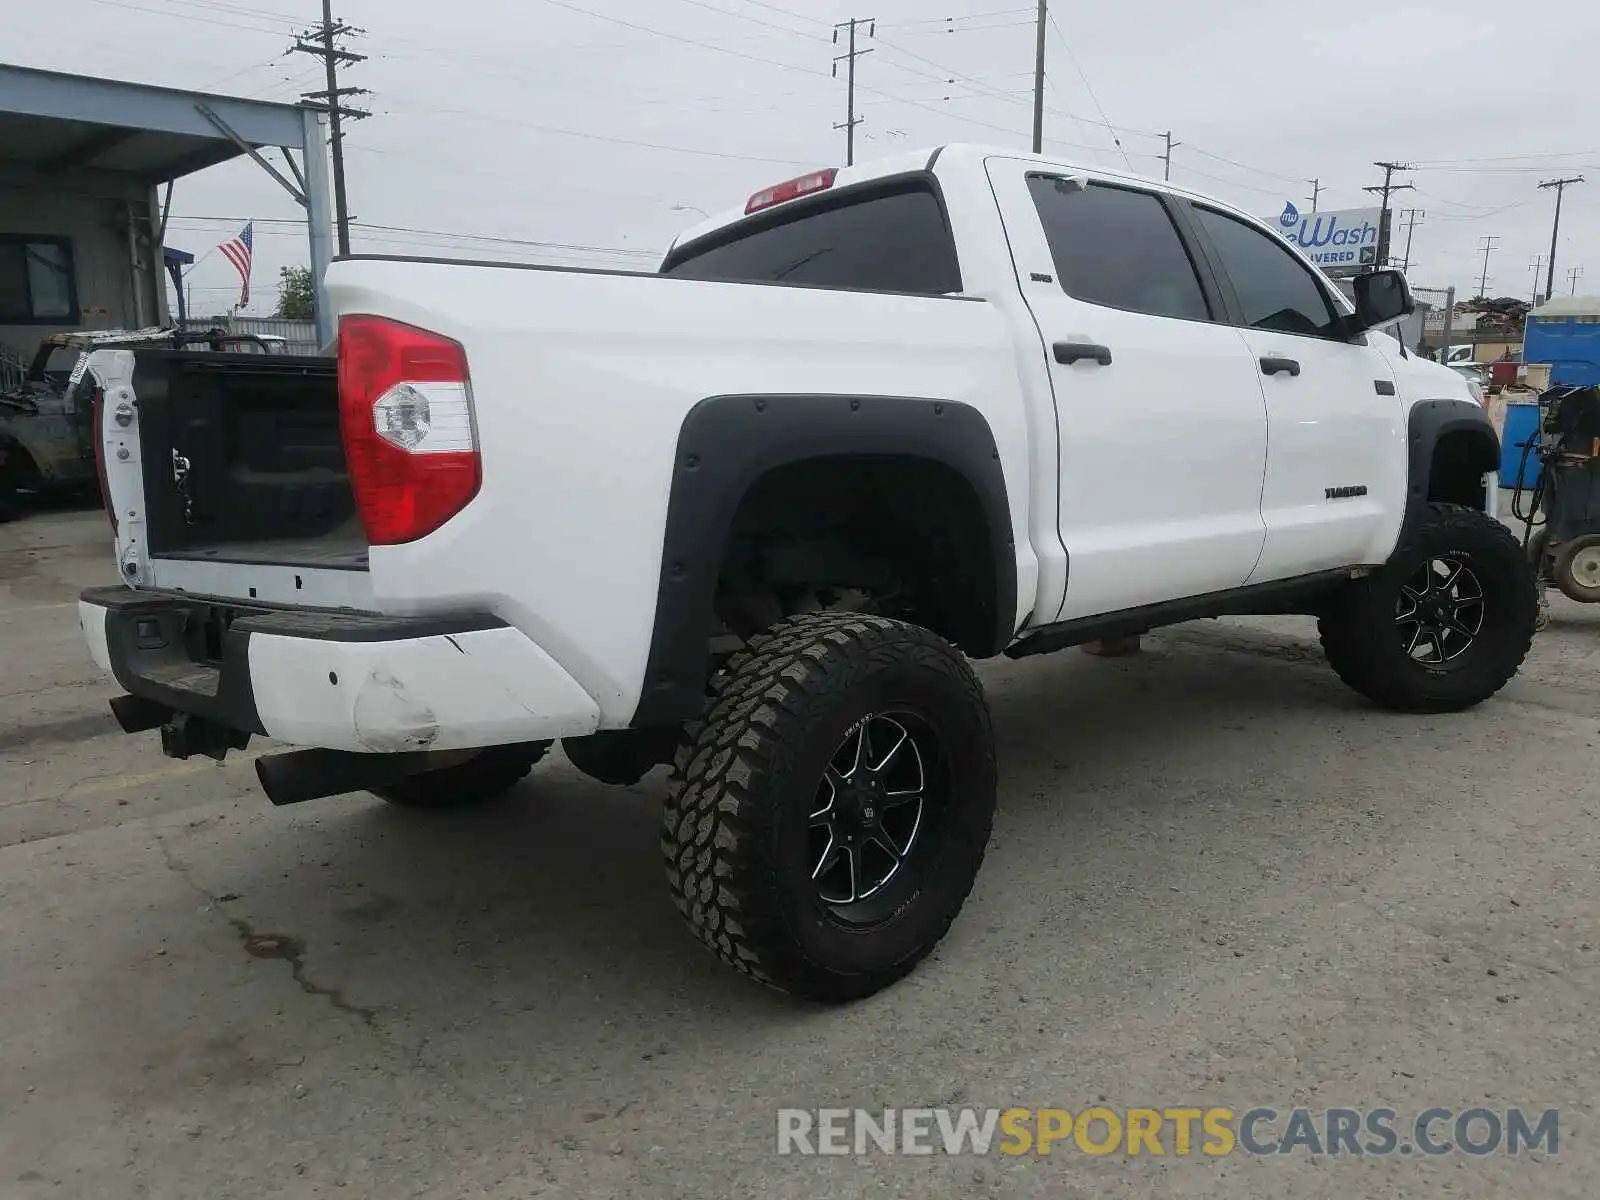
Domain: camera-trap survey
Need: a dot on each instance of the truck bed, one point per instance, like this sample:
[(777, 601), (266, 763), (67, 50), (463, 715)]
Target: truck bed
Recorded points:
[(343, 550), (243, 461)]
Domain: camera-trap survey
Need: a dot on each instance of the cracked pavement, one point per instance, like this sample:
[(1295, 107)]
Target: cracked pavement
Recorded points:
[(1217, 877)]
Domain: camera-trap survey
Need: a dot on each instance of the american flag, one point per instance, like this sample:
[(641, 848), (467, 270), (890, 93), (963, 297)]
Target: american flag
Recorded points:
[(240, 251)]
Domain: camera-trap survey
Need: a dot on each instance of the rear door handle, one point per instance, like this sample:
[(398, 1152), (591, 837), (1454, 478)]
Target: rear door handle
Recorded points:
[(1273, 366), (1068, 353)]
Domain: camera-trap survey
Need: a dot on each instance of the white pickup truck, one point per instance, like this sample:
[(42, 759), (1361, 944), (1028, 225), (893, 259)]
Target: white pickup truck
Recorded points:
[(751, 516)]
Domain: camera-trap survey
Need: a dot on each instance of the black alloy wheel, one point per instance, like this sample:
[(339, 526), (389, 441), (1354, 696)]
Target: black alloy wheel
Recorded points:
[(1440, 611), (871, 808)]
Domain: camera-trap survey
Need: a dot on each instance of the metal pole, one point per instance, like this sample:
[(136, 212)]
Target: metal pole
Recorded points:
[(1412, 216), (319, 220), (850, 103), (851, 120), (1388, 186), (1038, 79), (336, 133), (1555, 229), (1449, 321)]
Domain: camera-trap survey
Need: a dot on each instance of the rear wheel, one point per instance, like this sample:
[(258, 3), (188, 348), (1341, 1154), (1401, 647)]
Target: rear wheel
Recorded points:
[(1444, 624), (825, 822), (1577, 569), (484, 777)]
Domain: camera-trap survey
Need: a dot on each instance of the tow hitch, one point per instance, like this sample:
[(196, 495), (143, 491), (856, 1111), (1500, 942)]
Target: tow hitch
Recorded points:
[(186, 734), (182, 734)]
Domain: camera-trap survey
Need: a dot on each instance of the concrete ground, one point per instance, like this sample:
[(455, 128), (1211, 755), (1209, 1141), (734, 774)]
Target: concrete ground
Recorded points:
[(1217, 878)]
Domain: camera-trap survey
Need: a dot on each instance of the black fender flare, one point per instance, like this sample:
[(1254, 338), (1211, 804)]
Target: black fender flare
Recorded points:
[(726, 443), (1427, 424)]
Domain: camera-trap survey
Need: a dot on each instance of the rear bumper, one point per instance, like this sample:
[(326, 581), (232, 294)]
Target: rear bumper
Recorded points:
[(343, 681)]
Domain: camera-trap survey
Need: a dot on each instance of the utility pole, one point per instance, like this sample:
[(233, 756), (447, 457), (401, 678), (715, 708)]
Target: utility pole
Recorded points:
[(1535, 267), (1166, 158), (849, 59), (1412, 218), (1388, 185), (1038, 78), (320, 41), (1560, 186), (1486, 245), (1316, 194), (1573, 275)]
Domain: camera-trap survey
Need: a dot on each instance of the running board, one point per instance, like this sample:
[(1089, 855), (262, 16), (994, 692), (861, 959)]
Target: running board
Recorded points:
[(1302, 594)]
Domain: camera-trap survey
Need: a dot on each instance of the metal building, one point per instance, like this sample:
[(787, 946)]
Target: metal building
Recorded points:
[(83, 165)]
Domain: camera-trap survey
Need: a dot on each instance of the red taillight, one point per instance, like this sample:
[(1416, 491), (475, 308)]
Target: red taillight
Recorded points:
[(816, 181), (405, 410), (98, 430)]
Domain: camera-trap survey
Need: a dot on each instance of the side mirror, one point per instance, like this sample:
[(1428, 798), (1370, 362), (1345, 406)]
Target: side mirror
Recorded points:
[(1382, 298)]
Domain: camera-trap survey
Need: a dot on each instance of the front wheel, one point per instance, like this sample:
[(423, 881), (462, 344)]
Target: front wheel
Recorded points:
[(1444, 624), (825, 822)]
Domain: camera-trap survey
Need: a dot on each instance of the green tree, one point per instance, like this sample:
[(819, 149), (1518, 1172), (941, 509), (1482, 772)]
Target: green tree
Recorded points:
[(296, 298)]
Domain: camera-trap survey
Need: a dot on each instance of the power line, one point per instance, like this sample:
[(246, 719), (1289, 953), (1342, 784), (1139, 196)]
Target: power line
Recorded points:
[(619, 141), (1087, 86), (815, 37), (167, 12), (1234, 183), (675, 37), (505, 241), (1247, 167), (1441, 162), (788, 12), (976, 87), (260, 66), (968, 28), (454, 235), (1573, 275), (973, 120), (1487, 210), (234, 10), (1004, 12)]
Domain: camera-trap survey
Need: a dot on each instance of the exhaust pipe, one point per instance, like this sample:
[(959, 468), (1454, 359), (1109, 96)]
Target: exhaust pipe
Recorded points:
[(300, 775), (137, 715)]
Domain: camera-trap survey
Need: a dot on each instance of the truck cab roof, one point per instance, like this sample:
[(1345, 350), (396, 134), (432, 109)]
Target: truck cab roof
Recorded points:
[(955, 154)]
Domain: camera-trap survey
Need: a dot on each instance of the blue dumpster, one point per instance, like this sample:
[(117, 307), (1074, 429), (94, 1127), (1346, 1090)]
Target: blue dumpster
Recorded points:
[(1522, 426)]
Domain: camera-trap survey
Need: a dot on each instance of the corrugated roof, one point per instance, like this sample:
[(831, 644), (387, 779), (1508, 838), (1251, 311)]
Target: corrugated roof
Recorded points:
[(1569, 306), (51, 122)]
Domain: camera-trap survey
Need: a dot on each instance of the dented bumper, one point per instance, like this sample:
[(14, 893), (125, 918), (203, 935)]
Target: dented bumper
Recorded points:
[(343, 681)]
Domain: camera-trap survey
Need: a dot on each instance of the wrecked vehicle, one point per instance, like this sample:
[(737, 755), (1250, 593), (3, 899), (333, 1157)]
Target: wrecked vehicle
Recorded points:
[(47, 423)]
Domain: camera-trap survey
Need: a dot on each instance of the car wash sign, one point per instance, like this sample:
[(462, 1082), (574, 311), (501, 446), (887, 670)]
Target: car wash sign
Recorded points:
[(1342, 242)]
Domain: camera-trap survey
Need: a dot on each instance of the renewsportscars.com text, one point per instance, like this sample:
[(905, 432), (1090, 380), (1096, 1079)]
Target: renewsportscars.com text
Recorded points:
[(1178, 1131)]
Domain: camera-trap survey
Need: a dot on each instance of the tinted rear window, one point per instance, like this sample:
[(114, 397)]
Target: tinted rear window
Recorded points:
[(888, 243)]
